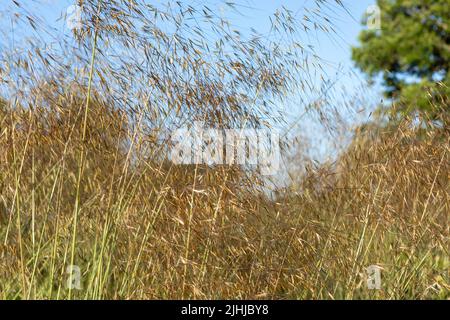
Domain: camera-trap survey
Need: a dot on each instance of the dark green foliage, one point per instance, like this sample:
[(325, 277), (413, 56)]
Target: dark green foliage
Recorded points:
[(411, 52)]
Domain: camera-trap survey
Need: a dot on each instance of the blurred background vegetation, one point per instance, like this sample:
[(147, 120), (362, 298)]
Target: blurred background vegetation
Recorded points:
[(411, 53)]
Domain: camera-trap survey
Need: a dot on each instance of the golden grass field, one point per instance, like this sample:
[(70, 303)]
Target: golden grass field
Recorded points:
[(158, 231), (85, 182)]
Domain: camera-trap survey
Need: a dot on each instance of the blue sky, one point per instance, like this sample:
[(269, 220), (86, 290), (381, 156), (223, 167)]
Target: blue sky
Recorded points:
[(335, 50)]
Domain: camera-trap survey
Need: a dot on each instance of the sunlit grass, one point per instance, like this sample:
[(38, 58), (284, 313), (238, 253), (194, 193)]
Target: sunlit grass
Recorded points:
[(85, 179)]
